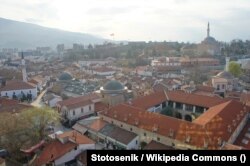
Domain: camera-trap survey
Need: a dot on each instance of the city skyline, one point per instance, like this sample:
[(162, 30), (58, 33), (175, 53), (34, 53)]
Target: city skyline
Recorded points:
[(172, 20)]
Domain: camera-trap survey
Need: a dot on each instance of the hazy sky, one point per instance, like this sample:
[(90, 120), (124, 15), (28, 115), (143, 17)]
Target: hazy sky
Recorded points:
[(170, 20)]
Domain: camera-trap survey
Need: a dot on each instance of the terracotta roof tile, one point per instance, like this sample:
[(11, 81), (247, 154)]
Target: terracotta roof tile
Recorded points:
[(12, 106), (159, 97), (76, 137), (100, 106), (76, 102), (16, 85), (53, 151), (199, 131)]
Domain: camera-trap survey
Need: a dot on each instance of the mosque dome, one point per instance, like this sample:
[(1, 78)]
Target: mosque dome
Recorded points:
[(113, 85), (209, 40), (65, 76)]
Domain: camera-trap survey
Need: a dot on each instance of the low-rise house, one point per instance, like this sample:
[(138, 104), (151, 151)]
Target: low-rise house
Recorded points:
[(220, 124), (76, 108), (52, 100), (107, 134), (12, 106), (16, 89), (64, 149)]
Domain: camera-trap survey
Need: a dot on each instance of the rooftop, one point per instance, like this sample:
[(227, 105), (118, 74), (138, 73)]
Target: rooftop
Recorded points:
[(76, 137), (12, 106), (76, 102), (16, 85), (53, 151), (209, 127), (159, 97), (113, 85)]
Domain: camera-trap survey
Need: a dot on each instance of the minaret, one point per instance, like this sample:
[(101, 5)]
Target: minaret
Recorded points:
[(24, 69), (208, 30)]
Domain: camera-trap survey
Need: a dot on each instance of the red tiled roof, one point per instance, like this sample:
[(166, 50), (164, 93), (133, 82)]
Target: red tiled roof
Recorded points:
[(76, 137), (100, 106), (16, 85), (194, 99), (199, 131), (205, 88), (97, 125), (76, 102), (159, 97), (148, 101), (12, 106), (53, 151)]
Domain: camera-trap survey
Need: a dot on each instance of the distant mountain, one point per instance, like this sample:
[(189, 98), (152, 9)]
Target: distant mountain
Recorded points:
[(15, 34)]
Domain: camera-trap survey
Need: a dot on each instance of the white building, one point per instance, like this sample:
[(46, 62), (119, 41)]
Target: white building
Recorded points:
[(16, 89), (64, 149), (107, 134), (166, 61), (76, 108), (52, 100)]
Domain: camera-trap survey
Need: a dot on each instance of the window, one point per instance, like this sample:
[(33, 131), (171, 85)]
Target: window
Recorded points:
[(82, 110), (223, 86), (6, 94), (189, 107), (90, 107), (158, 138), (131, 129), (218, 87), (121, 125), (136, 142), (74, 112), (145, 134), (112, 122)]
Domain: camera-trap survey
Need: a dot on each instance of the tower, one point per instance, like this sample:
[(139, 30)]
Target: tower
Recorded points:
[(23, 69), (208, 30)]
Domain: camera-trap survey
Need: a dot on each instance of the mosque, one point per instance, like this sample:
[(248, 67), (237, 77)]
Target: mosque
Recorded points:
[(209, 46)]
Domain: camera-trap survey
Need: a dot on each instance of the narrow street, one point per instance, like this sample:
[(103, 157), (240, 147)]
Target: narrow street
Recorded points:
[(37, 102)]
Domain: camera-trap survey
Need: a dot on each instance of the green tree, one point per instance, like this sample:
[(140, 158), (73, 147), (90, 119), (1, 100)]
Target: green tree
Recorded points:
[(37, 119), (235, 69), (22, 130)]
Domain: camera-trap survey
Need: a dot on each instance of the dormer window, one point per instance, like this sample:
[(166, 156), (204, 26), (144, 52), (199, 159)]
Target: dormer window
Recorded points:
[(171, 133), (234, 122), (219, 141), (188, 139), (229, 129), (155, 128), (205, 144)]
